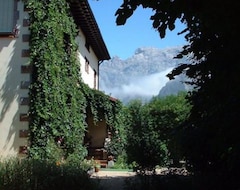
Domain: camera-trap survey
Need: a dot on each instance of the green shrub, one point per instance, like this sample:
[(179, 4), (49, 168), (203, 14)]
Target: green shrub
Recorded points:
[(122, 163), (16, 174)]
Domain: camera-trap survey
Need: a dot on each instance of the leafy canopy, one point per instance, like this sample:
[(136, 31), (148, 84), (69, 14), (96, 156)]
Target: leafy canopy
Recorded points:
[(151, 137), (211, 137)]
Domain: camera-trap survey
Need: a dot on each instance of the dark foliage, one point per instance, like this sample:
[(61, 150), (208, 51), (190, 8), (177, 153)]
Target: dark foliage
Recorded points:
[(211, 138), (151, 138)]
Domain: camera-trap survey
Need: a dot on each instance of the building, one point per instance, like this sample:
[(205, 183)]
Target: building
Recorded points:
[(15, 70)]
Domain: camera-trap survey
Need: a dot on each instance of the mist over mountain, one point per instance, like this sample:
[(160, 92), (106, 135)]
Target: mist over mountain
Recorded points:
[(141, 76)]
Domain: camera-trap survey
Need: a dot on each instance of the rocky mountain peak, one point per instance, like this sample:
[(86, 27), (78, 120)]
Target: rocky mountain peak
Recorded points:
[(143, 72)]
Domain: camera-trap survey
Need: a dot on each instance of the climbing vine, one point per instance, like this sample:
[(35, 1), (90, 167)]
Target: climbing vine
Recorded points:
[(59, 98)]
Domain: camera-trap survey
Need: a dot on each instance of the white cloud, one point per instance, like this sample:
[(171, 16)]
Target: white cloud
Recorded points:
[(146, 86)]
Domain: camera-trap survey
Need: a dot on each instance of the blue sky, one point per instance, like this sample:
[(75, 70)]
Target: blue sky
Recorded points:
[(122, 41)]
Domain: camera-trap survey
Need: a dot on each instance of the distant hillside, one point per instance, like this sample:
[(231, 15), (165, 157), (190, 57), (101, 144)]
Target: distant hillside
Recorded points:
[(141, 76), (173, 87)]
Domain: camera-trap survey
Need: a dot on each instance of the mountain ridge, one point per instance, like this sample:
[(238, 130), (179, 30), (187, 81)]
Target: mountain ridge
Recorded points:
[(142, 75)]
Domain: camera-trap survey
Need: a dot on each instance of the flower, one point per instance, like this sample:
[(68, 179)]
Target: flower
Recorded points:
[(58, 163)]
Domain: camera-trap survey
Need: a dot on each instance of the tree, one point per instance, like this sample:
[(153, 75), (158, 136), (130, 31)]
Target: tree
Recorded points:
[(144, 145), (168, 113), (212, 141), (151, 130)]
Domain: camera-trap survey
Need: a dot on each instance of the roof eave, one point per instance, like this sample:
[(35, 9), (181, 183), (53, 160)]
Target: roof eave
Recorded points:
[(84, 18)]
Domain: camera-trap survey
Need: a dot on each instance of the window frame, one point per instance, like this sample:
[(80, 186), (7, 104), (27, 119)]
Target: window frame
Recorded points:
[(13, 29)]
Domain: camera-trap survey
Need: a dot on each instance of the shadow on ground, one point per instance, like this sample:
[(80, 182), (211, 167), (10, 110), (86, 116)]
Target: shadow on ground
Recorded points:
[(136, 182), (115, 182)]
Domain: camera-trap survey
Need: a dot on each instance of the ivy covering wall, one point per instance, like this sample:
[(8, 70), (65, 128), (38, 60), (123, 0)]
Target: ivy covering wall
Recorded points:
[(59, 98)]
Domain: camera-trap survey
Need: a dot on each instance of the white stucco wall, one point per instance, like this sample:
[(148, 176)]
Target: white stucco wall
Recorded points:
[(10, 92), (88, 78)]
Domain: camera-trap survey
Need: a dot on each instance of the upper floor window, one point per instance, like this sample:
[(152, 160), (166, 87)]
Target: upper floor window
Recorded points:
[(67, 43), (86, 65), (87, 45), (95, 80), (6, 16)]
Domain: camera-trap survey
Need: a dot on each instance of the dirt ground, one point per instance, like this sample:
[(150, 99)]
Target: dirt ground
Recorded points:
[(122, 180), (112, 180)]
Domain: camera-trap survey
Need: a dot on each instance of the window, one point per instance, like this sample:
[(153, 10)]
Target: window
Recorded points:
[(6, 16), (87, 45), (67, 43), (86, 65), (95, 80)]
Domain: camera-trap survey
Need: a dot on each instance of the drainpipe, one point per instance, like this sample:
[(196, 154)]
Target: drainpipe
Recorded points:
[(99, 63)]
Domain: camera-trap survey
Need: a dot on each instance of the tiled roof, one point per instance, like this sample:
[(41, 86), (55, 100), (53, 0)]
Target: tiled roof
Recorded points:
[(85, 19)]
